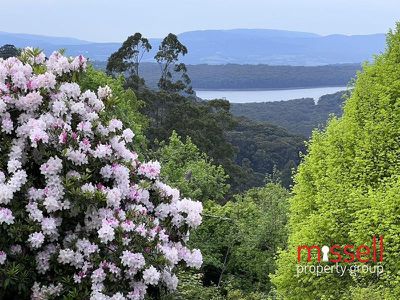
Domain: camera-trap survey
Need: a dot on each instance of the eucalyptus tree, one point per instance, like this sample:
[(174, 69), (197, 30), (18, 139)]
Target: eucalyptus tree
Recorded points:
[(167, 57), (127, 59)]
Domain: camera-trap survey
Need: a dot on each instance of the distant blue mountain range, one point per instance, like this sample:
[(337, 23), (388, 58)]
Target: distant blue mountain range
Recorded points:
[(237, 46)]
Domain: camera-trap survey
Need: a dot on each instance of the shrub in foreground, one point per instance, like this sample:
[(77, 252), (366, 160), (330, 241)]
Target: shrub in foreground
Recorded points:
[(80, 216)]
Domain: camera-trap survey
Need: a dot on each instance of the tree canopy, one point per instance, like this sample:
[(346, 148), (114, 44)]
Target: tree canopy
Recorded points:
[(347, 189), (7, 51), (192, 171), (128, 57), (167, 57)]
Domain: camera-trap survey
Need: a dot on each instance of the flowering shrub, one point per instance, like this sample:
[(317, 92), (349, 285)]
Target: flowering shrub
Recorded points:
[(80, 215)]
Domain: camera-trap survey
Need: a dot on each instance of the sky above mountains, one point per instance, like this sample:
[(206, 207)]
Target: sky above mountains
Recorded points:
[(113, 21)]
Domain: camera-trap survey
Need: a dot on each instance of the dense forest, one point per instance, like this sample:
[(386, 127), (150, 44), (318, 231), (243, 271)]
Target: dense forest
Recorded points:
[(249, 151), (265, 150), (233, 76), (299, 116)]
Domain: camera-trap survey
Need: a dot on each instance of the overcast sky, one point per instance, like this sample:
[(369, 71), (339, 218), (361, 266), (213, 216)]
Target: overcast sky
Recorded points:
[(113, 20)]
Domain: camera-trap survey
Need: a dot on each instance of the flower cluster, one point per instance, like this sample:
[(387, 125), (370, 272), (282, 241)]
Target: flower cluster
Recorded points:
[(73, 182)]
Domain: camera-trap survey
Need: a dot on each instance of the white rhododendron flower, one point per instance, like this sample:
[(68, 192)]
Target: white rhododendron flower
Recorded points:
[(151, 276), (36, 239), (3, 257), (82, 203), (6, 216)]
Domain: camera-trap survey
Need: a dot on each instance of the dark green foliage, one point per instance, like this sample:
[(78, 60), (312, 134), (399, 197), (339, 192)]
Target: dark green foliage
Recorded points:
[(16, 278), (191, 287), (247, 150), (7, 51), (298, 116), (262, 146), (240, 239), (204, 122), (128, 57)]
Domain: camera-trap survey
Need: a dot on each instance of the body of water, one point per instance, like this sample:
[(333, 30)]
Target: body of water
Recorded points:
[(245, 96)]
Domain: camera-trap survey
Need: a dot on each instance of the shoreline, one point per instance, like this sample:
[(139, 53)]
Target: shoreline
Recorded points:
[(269, 89)]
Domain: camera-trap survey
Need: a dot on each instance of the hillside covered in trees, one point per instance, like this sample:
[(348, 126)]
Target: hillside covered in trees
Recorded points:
[(299, 116), (235, 76), (247, 154)]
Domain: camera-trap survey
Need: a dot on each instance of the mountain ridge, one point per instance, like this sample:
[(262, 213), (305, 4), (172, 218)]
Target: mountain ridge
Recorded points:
[(232, 46)]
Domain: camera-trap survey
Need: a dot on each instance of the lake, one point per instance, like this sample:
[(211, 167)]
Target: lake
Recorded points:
[(244, 96)]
